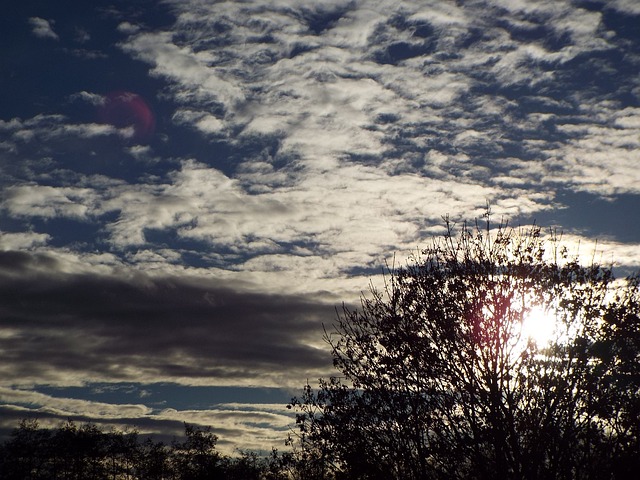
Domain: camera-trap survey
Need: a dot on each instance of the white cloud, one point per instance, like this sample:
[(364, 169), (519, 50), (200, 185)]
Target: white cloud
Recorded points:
[(94, 99), (128, 28), (49, 202), (70, 406), (626, 6), (629, 118), (202, 121), (602, 251), (188, 68), (42, 28), (601, 154), (45, 127), (254, 427), (22, 240)]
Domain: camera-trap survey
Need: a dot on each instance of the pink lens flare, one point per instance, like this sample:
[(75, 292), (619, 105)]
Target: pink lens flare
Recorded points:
[(127, 110)]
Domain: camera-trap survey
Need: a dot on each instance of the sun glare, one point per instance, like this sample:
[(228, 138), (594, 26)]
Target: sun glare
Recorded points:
[(539, 326)]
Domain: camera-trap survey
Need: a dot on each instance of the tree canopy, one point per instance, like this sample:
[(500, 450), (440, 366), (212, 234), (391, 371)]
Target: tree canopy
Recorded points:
[(85, 452), (440, 377)]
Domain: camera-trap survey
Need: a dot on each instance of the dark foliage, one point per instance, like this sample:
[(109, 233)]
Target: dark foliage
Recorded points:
[(439, 379), (85, 452)]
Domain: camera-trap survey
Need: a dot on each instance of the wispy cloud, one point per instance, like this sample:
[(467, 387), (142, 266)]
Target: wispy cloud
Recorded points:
[(252, 426)]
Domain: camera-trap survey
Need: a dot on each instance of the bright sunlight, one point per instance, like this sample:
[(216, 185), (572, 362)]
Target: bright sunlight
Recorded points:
[(539, 325)]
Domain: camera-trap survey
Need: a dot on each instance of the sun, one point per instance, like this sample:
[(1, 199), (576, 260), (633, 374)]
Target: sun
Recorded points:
[(539, 326)]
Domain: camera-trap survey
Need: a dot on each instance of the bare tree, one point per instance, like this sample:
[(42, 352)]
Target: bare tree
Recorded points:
[(439, 377)]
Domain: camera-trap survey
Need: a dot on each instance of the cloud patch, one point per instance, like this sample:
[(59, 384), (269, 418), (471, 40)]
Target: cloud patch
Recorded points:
[(42, 28)]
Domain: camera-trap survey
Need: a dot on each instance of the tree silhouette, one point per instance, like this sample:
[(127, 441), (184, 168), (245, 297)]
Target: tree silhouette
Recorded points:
[(85, 452), (196, 458), (22, 456), (440, 380)]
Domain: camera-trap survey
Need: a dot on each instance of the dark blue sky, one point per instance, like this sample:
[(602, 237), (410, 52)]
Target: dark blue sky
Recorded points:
[(188, 188)]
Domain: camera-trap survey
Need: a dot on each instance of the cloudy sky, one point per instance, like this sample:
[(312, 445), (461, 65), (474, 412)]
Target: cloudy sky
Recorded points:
[(188, 188)]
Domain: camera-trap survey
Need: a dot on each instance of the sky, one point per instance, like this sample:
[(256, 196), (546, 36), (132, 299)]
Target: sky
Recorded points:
[(190, 188)]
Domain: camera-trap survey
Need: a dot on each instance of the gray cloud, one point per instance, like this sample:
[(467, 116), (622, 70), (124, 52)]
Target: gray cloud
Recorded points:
[(61, 328)]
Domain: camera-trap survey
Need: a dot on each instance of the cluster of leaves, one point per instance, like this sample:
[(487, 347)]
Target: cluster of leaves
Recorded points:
[(438, 380), (85, 452)]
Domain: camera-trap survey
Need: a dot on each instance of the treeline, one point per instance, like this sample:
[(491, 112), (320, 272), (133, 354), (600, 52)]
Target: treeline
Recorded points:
[(85, 452)]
